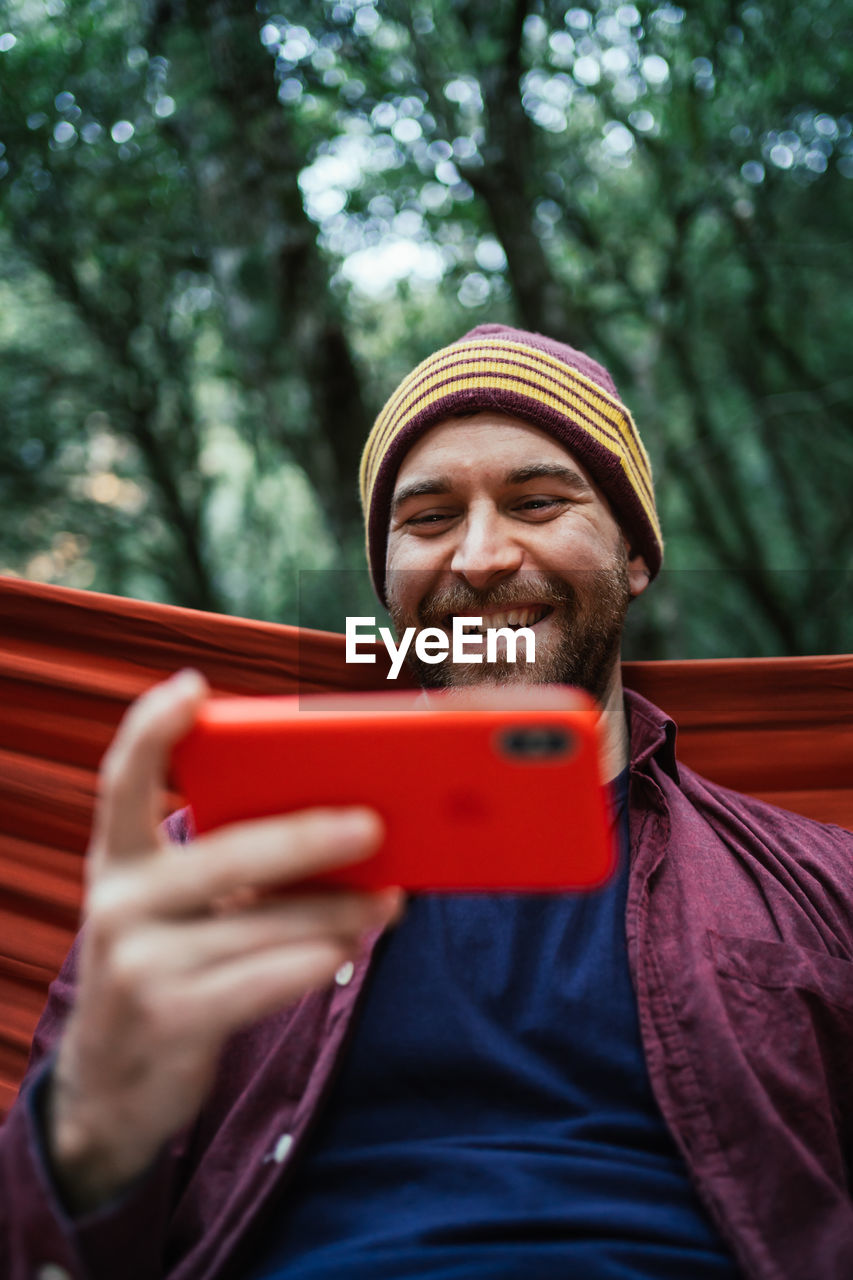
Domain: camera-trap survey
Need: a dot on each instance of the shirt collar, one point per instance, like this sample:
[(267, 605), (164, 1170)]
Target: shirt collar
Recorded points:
[(652, 735)]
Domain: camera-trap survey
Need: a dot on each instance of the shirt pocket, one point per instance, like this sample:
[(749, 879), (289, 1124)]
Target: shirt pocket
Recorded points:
[(790, 1010), (780, 966)]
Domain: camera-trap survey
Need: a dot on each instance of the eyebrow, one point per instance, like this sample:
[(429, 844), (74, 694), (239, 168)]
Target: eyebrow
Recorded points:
[(420, 489), (550, 471), (433, 485)]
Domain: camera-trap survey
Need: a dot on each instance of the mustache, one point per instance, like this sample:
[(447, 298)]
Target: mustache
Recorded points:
[(459, 598)]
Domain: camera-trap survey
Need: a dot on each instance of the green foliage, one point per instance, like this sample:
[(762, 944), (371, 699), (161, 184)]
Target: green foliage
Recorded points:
[(225, 234)]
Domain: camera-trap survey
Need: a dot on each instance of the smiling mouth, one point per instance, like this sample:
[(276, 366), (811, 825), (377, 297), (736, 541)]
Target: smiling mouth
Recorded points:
[(524, 616)]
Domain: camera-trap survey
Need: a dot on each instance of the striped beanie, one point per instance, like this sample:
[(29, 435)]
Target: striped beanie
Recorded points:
[(543, 382)]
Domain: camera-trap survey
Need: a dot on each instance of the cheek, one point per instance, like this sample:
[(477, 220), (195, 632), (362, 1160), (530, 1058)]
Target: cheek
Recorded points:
[(581, 553), (590, 539), (409, 575), (401, 599), (414, 558)]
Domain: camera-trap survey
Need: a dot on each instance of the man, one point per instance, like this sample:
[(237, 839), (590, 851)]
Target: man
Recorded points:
[(653, 1080)]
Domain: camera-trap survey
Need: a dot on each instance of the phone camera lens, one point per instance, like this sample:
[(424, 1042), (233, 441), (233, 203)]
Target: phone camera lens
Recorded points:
[(537, 742)]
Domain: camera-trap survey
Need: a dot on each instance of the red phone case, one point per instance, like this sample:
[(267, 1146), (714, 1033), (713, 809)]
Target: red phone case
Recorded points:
[(460, 809)]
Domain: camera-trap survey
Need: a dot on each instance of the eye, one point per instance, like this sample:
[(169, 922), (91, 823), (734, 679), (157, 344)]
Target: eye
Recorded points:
[(541, 506), (427, 518)]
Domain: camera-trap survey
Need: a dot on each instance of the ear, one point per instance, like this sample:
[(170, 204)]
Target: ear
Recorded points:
[(639, 575)]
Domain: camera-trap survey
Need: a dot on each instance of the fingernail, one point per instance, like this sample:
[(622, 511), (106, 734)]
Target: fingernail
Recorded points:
[(356, 826), (188, 681), (391, 904)]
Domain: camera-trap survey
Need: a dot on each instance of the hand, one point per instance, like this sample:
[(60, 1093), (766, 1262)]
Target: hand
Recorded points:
[(180, 949)]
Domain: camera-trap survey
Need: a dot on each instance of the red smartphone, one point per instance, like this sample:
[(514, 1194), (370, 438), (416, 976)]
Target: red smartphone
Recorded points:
[(484, 790)]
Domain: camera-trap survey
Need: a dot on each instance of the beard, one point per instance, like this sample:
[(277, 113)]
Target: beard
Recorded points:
[(579, 645)]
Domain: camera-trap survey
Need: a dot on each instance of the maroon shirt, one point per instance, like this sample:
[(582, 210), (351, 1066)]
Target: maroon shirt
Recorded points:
[(740, 937)]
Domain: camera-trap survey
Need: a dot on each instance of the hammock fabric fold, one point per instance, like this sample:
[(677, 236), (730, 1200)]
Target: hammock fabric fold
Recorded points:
[(70, 661)]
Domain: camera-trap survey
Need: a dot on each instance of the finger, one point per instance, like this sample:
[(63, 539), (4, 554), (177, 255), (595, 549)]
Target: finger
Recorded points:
[(175, 950), (213, 1003), (258, 854), (133, 770)]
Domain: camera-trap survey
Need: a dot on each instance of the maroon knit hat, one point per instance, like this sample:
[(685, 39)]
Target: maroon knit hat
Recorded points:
[(546, 383)]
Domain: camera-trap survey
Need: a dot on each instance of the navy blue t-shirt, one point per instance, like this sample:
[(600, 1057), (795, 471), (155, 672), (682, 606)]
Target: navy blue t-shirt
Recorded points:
[(493, 1116)]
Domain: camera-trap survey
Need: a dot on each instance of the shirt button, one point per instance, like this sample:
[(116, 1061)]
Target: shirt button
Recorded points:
[(282, 1147), (344, 974), (50, 1271)]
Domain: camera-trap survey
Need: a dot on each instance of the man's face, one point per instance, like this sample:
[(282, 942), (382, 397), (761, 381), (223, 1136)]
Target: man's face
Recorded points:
[(493, 518)]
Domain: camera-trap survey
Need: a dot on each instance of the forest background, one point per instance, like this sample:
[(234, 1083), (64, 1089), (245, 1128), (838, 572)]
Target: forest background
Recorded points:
[(227, 231)]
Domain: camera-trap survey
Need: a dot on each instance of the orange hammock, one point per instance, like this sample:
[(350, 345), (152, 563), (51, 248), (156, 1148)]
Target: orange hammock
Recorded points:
[(70, 661)]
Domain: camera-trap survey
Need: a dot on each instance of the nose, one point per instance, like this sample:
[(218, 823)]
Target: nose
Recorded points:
[(487, 552)]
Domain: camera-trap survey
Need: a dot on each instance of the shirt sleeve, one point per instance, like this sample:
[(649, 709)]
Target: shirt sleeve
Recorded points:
[(39, 1238)]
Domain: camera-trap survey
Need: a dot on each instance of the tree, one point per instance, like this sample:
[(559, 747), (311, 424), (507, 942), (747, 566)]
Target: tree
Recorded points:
[(226, 234)]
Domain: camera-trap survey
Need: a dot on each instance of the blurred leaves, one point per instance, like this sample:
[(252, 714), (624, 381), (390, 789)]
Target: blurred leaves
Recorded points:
[(226, 233)]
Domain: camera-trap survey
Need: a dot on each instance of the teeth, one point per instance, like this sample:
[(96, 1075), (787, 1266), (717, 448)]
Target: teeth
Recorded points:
[(514, 617)]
